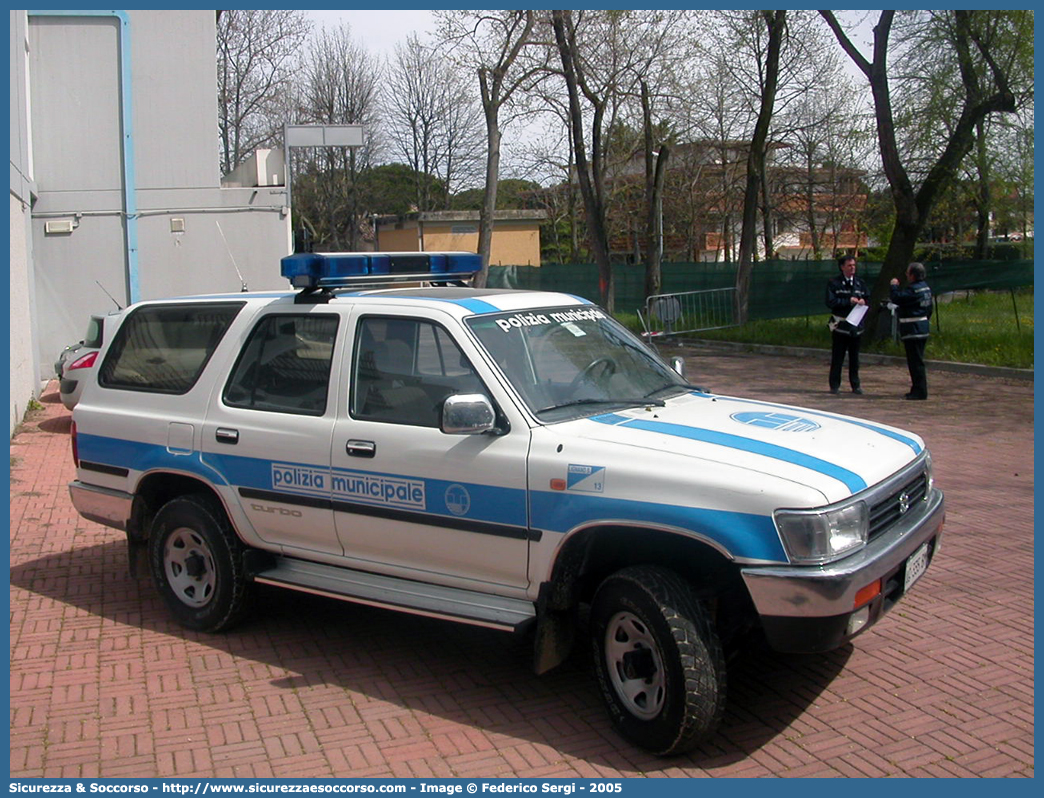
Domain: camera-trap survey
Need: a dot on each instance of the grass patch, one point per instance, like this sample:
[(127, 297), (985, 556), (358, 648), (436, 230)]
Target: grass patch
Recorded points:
[(968, 327)]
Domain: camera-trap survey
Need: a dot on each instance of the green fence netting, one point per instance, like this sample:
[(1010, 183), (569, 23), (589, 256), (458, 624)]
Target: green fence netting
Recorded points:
[(779, 289)]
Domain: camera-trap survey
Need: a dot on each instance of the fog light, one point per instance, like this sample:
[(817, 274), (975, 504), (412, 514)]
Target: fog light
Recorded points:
[(858, 620)]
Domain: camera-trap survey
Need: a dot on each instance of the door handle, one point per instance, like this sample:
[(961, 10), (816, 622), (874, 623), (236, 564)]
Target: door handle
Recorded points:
[(226, 435), (361, 448)]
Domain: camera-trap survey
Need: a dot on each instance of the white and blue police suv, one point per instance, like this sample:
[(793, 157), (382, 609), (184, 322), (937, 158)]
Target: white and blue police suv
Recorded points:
[(495, 457)]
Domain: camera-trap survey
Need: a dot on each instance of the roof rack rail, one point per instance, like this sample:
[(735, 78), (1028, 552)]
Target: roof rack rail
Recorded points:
[(316, 271)]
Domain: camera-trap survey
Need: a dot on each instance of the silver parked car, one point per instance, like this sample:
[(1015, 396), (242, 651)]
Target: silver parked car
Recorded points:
[(77, 360)]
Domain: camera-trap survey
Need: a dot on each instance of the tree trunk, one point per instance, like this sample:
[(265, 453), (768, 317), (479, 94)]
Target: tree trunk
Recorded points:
[(654, 177), (489, 192), (810, 208), (588, 178), (775, 21), (984, 197), (654, 227), (913, 206), (766, 212)]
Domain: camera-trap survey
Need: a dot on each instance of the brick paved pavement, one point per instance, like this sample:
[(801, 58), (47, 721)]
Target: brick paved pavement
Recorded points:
[(104, 684)]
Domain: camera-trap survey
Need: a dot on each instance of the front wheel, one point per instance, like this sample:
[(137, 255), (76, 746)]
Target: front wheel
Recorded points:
[(658, 660), (197, 563)]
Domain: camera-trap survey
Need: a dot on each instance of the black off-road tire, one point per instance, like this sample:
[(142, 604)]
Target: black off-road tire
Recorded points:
[(196, 561), (658, 660)]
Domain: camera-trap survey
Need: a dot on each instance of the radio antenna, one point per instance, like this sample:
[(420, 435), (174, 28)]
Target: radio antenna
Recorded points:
[(110, 296), (242, 282)]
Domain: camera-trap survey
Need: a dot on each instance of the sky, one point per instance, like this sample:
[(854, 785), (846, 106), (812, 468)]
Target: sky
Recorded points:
[(381, 30), (378, 31)]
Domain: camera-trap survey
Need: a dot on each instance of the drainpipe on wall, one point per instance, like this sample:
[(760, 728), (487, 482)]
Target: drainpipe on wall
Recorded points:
[(130, 198)]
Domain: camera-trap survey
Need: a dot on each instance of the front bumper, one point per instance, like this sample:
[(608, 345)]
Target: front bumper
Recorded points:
[(813, 607)]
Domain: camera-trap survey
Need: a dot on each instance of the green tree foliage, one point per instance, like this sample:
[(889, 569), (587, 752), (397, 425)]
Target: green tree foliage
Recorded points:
[(390, 189), (512, 194), (992, 51)]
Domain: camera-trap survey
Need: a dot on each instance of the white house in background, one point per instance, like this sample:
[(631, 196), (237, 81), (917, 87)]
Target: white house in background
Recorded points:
[(115, 183)]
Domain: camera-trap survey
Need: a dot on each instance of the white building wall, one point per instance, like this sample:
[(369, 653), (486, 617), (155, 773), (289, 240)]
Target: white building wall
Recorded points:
[(23, 366), (184, 218)]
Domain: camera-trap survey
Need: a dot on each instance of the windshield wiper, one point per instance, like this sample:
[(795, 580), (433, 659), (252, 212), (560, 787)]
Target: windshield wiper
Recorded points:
[(624, 402), (682, 385)]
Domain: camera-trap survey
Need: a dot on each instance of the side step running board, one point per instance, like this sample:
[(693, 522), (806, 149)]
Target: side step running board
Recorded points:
[(419, 598)]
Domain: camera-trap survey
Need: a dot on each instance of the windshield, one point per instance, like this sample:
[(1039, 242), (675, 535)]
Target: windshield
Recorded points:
[(572, 361)]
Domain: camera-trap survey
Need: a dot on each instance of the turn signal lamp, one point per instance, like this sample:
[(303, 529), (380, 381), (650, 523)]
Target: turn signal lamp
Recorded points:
[(867, 594), (310, 270)]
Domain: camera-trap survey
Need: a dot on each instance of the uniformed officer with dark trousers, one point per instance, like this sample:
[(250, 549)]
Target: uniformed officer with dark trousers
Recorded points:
[(914, 309), (843, 293)]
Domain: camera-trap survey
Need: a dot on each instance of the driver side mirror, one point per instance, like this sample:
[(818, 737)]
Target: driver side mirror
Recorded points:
[(468, 414), (678, 365)]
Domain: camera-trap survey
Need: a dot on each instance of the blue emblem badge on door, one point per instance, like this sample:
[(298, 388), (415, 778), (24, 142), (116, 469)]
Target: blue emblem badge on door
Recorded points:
[(458, 500)]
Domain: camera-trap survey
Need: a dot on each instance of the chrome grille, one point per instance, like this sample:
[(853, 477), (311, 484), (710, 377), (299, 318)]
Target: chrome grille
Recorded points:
[(888, 510)]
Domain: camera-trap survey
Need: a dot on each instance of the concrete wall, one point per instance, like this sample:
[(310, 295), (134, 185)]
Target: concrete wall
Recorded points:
[(24, 366), (192, 235)]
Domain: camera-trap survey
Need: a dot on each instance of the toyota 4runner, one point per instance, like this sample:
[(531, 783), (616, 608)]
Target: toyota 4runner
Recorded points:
[(495, 457)]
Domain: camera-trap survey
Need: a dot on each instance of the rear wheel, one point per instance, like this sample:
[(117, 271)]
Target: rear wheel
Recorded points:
[(658, 660), (197, 563)]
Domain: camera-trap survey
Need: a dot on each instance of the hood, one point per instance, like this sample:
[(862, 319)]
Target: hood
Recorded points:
[(833, 454)]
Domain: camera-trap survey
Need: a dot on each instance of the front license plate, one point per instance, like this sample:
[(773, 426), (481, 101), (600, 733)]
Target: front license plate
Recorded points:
[(916, 566)]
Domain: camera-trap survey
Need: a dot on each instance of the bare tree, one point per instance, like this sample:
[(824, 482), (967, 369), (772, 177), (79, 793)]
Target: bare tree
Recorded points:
[(338, 83), (717, 119), (547, 156), (828, 149), (665, 44), (489, 43), (993, 51), (606, 57), (655, 174), (255, 50), (591, 177), (775, 21), (434, 122)]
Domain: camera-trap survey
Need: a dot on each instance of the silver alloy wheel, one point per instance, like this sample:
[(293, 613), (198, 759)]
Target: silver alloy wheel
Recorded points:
[(635, 666), (189, 565)]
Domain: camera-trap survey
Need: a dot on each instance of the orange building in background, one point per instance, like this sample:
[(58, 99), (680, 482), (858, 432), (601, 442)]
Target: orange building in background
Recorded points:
[(516, 234)]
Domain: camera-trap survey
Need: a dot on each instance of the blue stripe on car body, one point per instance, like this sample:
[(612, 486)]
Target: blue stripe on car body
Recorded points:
[(743, 535), (851, 480), (488, 502), (138, 456)]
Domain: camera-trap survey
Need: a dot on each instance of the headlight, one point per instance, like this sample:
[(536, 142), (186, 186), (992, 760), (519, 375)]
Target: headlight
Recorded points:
[(929, 475), (815, 536)]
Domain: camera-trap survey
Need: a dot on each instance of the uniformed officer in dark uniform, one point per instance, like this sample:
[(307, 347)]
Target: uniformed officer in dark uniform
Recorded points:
[(843, 293), (914, 309)]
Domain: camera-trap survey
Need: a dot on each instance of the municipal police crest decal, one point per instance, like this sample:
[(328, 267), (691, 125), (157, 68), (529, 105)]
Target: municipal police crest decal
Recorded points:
[(780, 422)]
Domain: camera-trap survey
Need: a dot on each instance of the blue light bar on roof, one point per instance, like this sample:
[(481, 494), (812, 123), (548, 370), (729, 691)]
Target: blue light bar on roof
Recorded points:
[(345, 269)]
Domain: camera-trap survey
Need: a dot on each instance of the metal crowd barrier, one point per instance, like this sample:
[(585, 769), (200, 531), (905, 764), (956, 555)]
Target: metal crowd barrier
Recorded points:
[(688, 312)]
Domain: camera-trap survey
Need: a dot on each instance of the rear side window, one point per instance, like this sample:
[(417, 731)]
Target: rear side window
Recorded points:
[(164, 348), (285, 365)]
